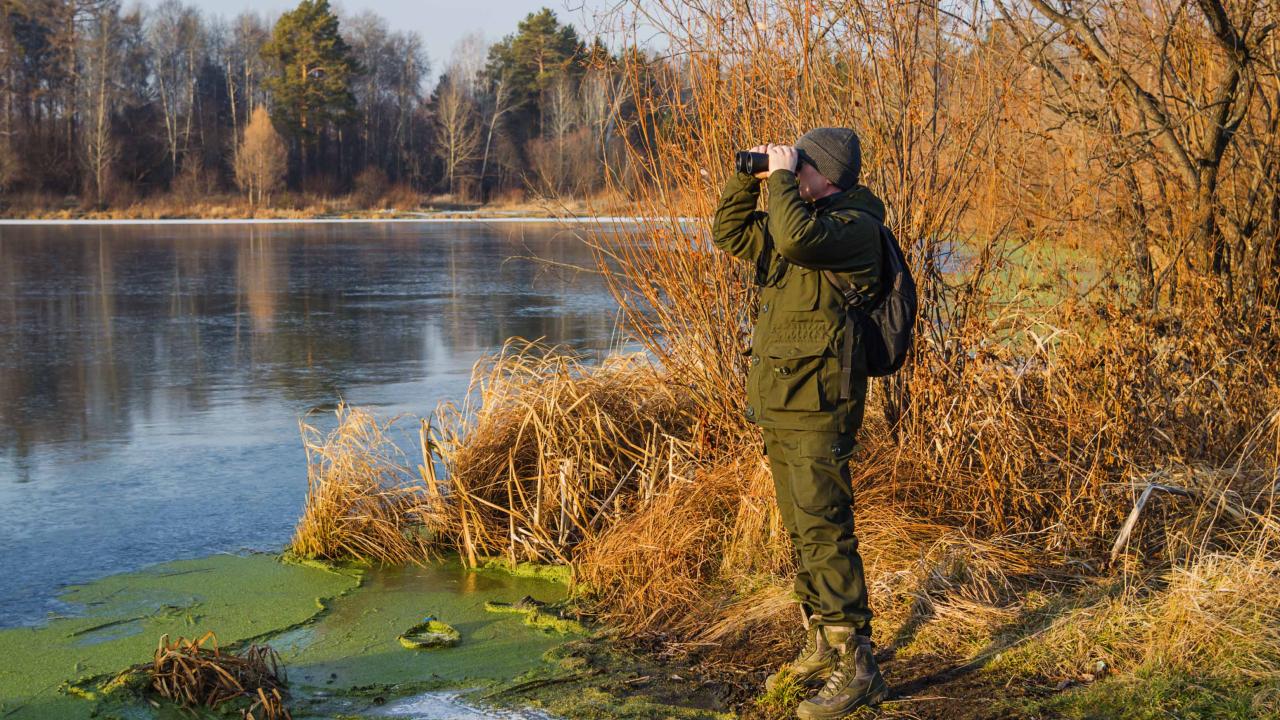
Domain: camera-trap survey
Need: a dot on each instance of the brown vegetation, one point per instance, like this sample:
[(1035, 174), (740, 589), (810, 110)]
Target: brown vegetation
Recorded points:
[(196, 673), (362, 501), (261, 160), (1039, 402), (549, 452)]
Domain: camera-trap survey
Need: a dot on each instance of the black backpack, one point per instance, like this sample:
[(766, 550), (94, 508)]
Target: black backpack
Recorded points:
[(885, 322)]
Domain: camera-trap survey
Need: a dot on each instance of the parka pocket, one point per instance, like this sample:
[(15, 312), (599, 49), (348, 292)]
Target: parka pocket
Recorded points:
[(796, 381)]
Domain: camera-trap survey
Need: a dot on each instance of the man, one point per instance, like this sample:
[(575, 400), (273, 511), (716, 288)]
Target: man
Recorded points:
[(819, 218)]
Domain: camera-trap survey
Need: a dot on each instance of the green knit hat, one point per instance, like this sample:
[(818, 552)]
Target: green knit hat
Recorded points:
[(834, 152)]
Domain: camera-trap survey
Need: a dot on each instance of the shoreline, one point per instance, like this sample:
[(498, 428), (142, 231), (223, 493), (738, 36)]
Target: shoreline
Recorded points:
[(335, 627), (618, 219)]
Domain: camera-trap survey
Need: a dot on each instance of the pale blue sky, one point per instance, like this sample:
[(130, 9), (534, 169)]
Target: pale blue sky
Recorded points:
[(441, 24)]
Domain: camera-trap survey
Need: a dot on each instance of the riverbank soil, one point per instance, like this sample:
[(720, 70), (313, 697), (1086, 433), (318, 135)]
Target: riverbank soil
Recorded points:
[(595, 678)]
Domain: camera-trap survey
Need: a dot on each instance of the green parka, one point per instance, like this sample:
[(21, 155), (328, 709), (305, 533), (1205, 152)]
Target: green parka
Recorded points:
[(794, 377)]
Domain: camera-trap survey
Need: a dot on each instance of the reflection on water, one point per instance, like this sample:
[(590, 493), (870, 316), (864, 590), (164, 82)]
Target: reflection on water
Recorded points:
[(449, 705), (151, 377)]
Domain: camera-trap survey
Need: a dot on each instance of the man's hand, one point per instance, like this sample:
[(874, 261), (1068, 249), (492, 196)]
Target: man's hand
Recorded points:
[(783, 157)]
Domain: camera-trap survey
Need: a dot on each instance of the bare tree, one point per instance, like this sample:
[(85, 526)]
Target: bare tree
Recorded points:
[(177, 39), (1167, 87), (467, 61), (262, 159), (411, 69), (457, 132), (499, 104), (244, 66), (388, 91), (101, 60)]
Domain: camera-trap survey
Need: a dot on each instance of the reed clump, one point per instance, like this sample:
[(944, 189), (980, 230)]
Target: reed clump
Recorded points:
[(196, 673), (547, 451), (363, 501), (653, 570)]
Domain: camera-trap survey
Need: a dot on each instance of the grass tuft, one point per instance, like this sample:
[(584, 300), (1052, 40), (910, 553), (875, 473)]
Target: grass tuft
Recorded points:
[(363, 502)]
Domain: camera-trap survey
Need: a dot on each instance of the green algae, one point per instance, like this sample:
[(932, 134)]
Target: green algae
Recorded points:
[(354, 647), (429, 635), (237, 597), (337, 627), (562, 574), (548, 618)]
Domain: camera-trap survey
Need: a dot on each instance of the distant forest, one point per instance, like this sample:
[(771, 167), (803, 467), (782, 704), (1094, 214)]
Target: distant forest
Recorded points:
[(105, 106)]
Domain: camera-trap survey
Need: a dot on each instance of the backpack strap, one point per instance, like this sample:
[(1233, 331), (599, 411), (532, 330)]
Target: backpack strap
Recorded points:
[(769, 260), (853, 302)]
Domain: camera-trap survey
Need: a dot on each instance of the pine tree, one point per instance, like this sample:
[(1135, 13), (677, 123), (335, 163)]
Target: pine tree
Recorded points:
[(541, 53), (314, 70)]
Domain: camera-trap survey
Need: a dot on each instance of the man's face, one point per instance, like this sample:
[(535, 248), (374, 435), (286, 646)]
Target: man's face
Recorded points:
[(813, 184)]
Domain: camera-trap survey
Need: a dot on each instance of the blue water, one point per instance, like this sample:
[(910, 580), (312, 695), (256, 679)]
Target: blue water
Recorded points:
[(152, 377)]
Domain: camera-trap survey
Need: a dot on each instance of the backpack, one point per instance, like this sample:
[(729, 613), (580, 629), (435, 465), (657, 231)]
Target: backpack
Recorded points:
[(886, 322)]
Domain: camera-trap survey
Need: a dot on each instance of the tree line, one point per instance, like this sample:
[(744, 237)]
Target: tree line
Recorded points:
[(113, 105)]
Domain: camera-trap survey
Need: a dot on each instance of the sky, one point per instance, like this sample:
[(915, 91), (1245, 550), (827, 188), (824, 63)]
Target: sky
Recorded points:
[(441, 24)]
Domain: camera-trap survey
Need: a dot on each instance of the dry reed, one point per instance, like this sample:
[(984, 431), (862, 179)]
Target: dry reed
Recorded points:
[(1001, 462), (547, 451), (196, 673), (651, 569), (363, 502)]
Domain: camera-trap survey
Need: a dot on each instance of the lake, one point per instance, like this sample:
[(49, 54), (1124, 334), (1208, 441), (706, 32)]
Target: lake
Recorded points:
[(152, 376)]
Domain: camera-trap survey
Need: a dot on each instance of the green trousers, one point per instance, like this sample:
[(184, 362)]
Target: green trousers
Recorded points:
[(815, 498)]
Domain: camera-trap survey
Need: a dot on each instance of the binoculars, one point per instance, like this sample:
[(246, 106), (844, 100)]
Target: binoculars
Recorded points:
[(751, 163)]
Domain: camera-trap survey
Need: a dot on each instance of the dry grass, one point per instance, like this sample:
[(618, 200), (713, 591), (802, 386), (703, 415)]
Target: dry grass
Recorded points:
[(677, 542), (363, 502), (1215, 617), (546, 451), (196, 673), (1001, 462), (395, 201), (649, 571)]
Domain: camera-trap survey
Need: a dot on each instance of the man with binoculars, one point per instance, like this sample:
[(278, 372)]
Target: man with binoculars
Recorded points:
[(806, 398)]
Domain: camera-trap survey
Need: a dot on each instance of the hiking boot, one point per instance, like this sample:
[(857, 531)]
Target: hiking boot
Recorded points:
[(816, 659), (855, 682)]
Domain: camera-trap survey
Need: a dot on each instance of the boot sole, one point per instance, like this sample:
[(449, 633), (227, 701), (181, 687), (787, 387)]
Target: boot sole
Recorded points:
[(873, 697)]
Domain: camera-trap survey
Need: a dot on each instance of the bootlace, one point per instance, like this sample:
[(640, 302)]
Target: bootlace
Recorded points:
[(810, 643), (844, 666)]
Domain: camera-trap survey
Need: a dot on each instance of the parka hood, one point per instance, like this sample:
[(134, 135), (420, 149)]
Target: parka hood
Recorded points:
[(859, 198)]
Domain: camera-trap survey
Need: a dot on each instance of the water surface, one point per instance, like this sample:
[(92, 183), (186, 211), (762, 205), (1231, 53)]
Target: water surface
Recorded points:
[(152, 377)]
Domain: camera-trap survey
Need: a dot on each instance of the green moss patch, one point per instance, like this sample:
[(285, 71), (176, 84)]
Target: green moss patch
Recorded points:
[(544, 616), (557, 573), (1158, 696)]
